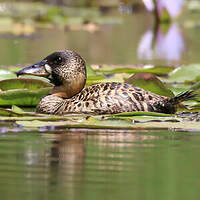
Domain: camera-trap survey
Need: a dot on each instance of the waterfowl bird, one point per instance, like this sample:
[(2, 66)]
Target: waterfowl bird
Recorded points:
[(67, 71)]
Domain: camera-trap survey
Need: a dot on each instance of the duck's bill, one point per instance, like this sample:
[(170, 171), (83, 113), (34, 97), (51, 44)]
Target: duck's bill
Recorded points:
[(38, 69)]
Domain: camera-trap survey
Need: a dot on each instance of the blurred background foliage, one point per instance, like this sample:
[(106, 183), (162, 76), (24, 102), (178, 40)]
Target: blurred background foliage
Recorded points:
[(116, 31)]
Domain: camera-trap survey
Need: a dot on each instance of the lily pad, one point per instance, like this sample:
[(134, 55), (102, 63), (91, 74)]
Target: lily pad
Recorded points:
[(196, 86), (16, 113), (149, 82), (44, 79), (22, 97), (22, 92), (38, 123), (97, 122), (17, 109), (90, 71), (133, 69), (19, 83), (8, 113), (185, 73), (4, 74), (184, 125), (143, 114), (91, 122)]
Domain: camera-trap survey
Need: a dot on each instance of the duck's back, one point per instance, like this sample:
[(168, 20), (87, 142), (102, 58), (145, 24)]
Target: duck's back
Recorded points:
[(106, 98), (115, 98)]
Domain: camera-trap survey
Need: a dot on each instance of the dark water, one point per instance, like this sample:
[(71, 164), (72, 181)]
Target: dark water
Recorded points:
[(108, 165)]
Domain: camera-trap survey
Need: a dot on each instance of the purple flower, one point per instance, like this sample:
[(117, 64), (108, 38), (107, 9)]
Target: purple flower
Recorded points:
[(173, 6), (168, 46)]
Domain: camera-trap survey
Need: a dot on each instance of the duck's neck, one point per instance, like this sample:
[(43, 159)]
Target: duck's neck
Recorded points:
[(69, 89)]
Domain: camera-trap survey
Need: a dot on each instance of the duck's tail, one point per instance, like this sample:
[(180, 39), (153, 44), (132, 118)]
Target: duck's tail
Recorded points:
[(184, 96), (169, 105)]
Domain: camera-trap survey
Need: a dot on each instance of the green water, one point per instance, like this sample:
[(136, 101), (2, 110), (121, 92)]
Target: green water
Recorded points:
[(74, 165), (106, 165), (112, 44)]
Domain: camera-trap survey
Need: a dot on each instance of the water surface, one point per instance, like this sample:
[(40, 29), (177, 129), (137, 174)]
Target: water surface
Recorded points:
[(134, 40), (106, 165), (72, 164)]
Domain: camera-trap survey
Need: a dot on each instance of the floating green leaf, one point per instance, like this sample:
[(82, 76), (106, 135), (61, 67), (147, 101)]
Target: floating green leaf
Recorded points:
[(4, 74), (19, 83), (44, 79), (116, 123), (23, 92), (22, 97), (146, 68), (184, 125), (196, 86), (38, 123), (17, 109), (8, 113), (17, 113), (91, 122), (149, 82), (90, 71), (143, 114), (185, 73)]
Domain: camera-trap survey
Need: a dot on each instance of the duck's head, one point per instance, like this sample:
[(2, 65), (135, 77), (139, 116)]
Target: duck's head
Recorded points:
[(65, 69)]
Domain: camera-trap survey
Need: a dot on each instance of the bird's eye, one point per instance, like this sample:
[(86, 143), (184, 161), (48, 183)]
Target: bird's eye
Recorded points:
[(58, 60)]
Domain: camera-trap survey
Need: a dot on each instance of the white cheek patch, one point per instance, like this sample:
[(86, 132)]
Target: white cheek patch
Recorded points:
[(48, 68)]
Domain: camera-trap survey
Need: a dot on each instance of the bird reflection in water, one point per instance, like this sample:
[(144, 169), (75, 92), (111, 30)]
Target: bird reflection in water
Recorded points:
[(70, 150), (67, 155)]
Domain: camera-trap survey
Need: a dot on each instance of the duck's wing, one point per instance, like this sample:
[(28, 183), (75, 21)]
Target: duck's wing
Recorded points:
[(107, 98)]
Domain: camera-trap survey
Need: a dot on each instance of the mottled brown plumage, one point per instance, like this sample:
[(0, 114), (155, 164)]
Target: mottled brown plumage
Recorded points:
[(67, 70)]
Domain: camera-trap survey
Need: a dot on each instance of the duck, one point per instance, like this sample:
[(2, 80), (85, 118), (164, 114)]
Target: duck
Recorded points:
[(66, 69)]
